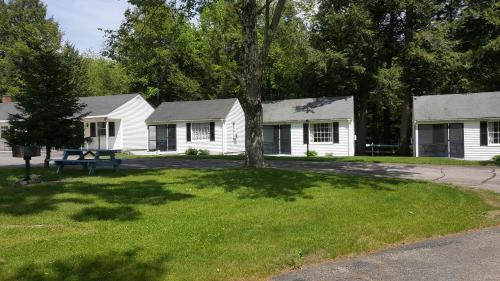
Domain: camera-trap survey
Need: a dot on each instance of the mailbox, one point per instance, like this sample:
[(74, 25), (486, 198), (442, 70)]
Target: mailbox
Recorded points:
[(19, 151)]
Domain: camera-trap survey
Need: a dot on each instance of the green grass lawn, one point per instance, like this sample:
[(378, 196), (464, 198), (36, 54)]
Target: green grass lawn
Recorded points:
[(367, 159), (232, 224)]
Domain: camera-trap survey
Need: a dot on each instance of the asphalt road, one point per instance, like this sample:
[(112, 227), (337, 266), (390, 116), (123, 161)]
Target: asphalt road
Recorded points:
[(471, 256), (476, 177)]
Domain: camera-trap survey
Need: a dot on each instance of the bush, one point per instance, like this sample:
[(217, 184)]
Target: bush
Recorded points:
[(203, 152), (191, 151), (329, 154), (496, 159), (311, 153)]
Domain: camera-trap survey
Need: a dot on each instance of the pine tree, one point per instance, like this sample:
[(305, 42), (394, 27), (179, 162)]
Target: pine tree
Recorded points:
[(50, 78)]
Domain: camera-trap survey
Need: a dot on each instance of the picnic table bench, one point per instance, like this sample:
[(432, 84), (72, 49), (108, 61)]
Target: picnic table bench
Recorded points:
[(88, 164)]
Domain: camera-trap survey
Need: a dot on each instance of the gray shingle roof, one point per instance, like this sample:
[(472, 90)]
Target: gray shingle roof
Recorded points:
[(5, 109), (103, 105), (325, 108), (192, 110), (457, 106), (96, 105)]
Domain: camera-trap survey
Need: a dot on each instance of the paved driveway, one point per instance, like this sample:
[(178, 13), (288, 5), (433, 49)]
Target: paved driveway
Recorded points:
[(477, 177), (473, 255)]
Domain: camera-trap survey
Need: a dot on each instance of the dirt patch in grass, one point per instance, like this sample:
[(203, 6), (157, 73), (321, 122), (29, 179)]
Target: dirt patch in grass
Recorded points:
[(493, 215), (490, 198)]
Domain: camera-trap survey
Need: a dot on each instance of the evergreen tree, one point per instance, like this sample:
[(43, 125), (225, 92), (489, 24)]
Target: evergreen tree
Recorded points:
[(50, 78)]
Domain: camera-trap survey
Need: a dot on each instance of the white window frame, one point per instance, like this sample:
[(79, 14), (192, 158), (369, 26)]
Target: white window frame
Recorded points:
[(2, 139), (200, 132), (312, 130), (492, 125)]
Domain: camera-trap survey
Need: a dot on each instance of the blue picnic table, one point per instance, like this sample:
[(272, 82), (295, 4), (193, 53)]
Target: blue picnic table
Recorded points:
[(87, 164)]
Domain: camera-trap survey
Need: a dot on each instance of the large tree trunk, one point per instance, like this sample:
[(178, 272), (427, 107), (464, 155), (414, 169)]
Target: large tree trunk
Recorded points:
[(253, 135), (406, 113), (405, 126), (362, 120), (252, 87), (46, 162)]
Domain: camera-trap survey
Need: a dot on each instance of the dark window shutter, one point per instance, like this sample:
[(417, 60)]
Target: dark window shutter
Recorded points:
[(483, 133), (188, 132), (111, 128), (335, 132), (92, 130), (212, 131), (306, 133)]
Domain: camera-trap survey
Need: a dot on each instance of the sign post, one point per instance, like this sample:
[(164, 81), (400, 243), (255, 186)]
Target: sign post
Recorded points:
[(26, 152)]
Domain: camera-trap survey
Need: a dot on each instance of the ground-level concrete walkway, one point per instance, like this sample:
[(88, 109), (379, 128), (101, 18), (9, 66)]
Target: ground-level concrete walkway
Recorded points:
[(475, 177), (474, 255)]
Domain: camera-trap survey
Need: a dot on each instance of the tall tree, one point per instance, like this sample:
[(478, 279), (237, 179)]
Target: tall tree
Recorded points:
[(159, 49), (23, 24), (50, 112), (477, 30), (346, 35), (106, 77), (157, 33), (252, 65), (49, 78)]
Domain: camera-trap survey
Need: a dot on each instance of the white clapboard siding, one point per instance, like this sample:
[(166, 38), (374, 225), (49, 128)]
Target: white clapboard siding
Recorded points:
[(472, 145), (345, 147), (472, 148), (235, 142), (132, 132), (215, 147)]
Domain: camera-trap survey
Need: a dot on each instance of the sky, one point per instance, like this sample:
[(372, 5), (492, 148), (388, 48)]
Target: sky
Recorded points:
[(80, 20)]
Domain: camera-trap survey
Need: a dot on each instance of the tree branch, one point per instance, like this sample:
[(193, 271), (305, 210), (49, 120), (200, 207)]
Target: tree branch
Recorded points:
[(266, 6), (270, 30)]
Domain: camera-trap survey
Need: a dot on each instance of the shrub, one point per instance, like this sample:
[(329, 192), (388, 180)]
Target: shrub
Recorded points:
[(203, 152), (329, 154), (191, 151), (496, 159), (311, 153)]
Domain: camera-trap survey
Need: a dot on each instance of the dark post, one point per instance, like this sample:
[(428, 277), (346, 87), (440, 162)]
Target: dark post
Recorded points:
[(27, 166), (26, 152), (308, 136)]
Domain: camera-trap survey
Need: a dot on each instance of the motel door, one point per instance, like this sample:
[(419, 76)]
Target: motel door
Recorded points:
[(277, 139), (456, 139)]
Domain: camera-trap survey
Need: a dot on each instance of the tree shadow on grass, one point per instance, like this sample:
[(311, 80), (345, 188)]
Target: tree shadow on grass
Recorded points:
[(34, 199), (125, 213), (286, 185), (113, 266)]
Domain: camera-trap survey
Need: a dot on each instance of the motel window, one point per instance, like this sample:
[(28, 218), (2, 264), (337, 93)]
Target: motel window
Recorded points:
[(200, 131), (101, 126), (325, 132), (3, 129), (93, 133), (494, 132), (322, 132), (111, 127)]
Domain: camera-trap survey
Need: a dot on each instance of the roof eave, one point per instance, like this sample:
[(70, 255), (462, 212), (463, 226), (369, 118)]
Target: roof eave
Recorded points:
[(309, 119), (187, 120)]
